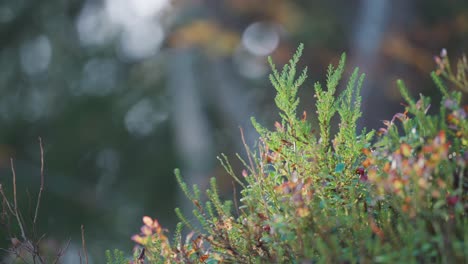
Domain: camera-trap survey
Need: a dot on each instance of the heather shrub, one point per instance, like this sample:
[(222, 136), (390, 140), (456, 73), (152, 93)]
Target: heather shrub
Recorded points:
[(310, 196)]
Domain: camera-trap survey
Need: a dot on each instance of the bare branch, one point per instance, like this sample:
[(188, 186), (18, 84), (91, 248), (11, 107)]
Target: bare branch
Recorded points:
[(6, 200), (246, 148), (15, 203), (84, 244), (61, 252), (42, 182)]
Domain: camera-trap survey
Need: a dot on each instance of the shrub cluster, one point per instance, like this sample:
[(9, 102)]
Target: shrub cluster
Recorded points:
[(312, 196), (395, 195)]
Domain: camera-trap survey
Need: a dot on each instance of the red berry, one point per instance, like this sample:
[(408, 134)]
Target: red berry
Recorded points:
[(360, 171), (362, 174), (452, 200), (363, 177)]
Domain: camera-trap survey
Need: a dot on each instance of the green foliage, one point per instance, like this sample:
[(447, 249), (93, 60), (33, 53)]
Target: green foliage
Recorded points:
[(115, 257), (459, 76), (332, 198), (287, 86)]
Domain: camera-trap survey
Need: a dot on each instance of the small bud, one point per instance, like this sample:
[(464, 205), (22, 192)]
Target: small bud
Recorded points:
[(244, 173), (148, 221), (15, 242), (443, 53), (382, 131)]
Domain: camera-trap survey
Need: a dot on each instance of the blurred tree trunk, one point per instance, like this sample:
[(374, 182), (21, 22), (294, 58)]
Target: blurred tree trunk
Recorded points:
[(192, 131), (370, 26)]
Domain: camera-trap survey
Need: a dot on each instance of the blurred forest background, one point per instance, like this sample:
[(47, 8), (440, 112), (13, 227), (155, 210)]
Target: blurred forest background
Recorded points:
[(124, 91)]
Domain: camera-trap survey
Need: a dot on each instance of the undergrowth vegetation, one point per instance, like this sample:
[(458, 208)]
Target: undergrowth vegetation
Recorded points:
[(310, 196)]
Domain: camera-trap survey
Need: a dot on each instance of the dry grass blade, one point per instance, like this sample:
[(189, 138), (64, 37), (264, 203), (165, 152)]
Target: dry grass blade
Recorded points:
[(15, 202), (42, 182), (83, 242)]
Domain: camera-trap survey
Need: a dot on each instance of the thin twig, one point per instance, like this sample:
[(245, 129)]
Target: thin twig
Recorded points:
[(84, 244), (16, 252), (141, 257), (36, 253), (42, 182), (61, 252), (15, 203), (246, 148), (36, 248), (6, 200)]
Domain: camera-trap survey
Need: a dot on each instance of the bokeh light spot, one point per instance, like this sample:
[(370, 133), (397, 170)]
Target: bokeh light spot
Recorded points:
[(147, 8), (93, 26), (261, 38), (98, 78), (35, 55), (141, 39), (142, 118)]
